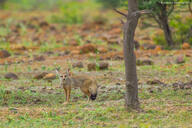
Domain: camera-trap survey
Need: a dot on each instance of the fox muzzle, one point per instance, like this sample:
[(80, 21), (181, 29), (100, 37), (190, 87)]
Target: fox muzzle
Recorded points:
[(93, 96)]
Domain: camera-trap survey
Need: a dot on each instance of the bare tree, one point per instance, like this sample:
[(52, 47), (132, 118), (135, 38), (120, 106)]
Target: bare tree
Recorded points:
[(131, 97)]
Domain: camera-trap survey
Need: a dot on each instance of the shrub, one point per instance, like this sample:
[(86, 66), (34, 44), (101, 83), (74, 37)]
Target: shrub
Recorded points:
[(182, 29)]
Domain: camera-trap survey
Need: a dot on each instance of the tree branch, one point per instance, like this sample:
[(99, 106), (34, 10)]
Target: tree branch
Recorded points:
[(140, 12), (189, 5), (156, 19), (121, 13), (172, 8)]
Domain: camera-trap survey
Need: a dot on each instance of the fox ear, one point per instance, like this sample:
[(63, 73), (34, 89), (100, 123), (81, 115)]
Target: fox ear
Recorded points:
[(68, 72), (57, 71)]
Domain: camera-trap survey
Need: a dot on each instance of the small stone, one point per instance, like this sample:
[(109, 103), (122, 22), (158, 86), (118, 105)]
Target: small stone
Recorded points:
[(151, 82), (43, 24), (103, 65), (91, 66), (4, 54), (180, 60), (87, 48), (78, 65), (118, 83), (148, 46), (158, 48), (40, 76), (49, 76), (144, 61), (102, 50), (11, 76), (75, 52), (113, 41), (186, 46), (39, 58), (73, 43)]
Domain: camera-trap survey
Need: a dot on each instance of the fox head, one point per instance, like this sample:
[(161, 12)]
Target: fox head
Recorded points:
[(64, 77), (93, 91)]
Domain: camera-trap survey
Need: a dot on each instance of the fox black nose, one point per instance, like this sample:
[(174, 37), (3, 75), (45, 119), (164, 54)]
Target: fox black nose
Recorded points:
[(93, 96)]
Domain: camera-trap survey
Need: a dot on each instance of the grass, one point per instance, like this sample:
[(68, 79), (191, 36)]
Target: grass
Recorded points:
[(37, 103), (33, 109), (27, 103)]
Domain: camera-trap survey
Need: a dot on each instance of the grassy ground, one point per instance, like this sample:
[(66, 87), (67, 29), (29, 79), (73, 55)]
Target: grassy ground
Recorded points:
[(28, 102), (31, 103)]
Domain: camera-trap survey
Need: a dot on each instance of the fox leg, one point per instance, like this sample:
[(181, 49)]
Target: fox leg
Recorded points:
[(65, 89), (86, 92), (68, 94)]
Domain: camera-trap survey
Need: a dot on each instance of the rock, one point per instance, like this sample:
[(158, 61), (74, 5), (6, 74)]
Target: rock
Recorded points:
[(113, 41), (91, 66), (118, 83), (49, 76), (39, 58), (103, 65), (87, 48), (11, 76), (18, 47), (144, 61), (40, 76), (64, 53), (188, 55), (151, 82), (148, 46), (186, 46), (4, 54), (158, 48), (78, 65), (75, 52), (180, 60), (102, 50), (73, 43), (43, 24)]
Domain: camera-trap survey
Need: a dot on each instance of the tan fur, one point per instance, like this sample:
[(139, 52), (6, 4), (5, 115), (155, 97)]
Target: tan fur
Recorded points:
[(87, 84)]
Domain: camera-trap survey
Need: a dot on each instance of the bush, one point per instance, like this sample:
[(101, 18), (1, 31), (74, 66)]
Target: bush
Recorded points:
[(74, 12), (182, 29), (159, 38)]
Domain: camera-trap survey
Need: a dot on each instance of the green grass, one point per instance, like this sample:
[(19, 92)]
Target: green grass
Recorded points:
[(162, 109)]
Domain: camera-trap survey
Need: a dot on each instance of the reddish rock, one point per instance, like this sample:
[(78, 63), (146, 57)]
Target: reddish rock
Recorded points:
[(91, 66), (4, 54), (186, 46), (11, 76), (158, 48), (144, 61), (103, 65), (87, 48), (40, 76), (43, 24), (49, 76), (75, 52), (148, 46), (78, 65), (73, 43), (102, 50), (180, 60), (39, 58)]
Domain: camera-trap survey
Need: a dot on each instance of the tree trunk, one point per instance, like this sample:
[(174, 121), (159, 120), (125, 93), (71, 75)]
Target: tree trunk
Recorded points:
[(131, 97), (167, 31)]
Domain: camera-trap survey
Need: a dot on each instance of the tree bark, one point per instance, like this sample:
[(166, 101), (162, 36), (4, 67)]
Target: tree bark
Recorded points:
[(131, 97), (164, 24), (167, 31)]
